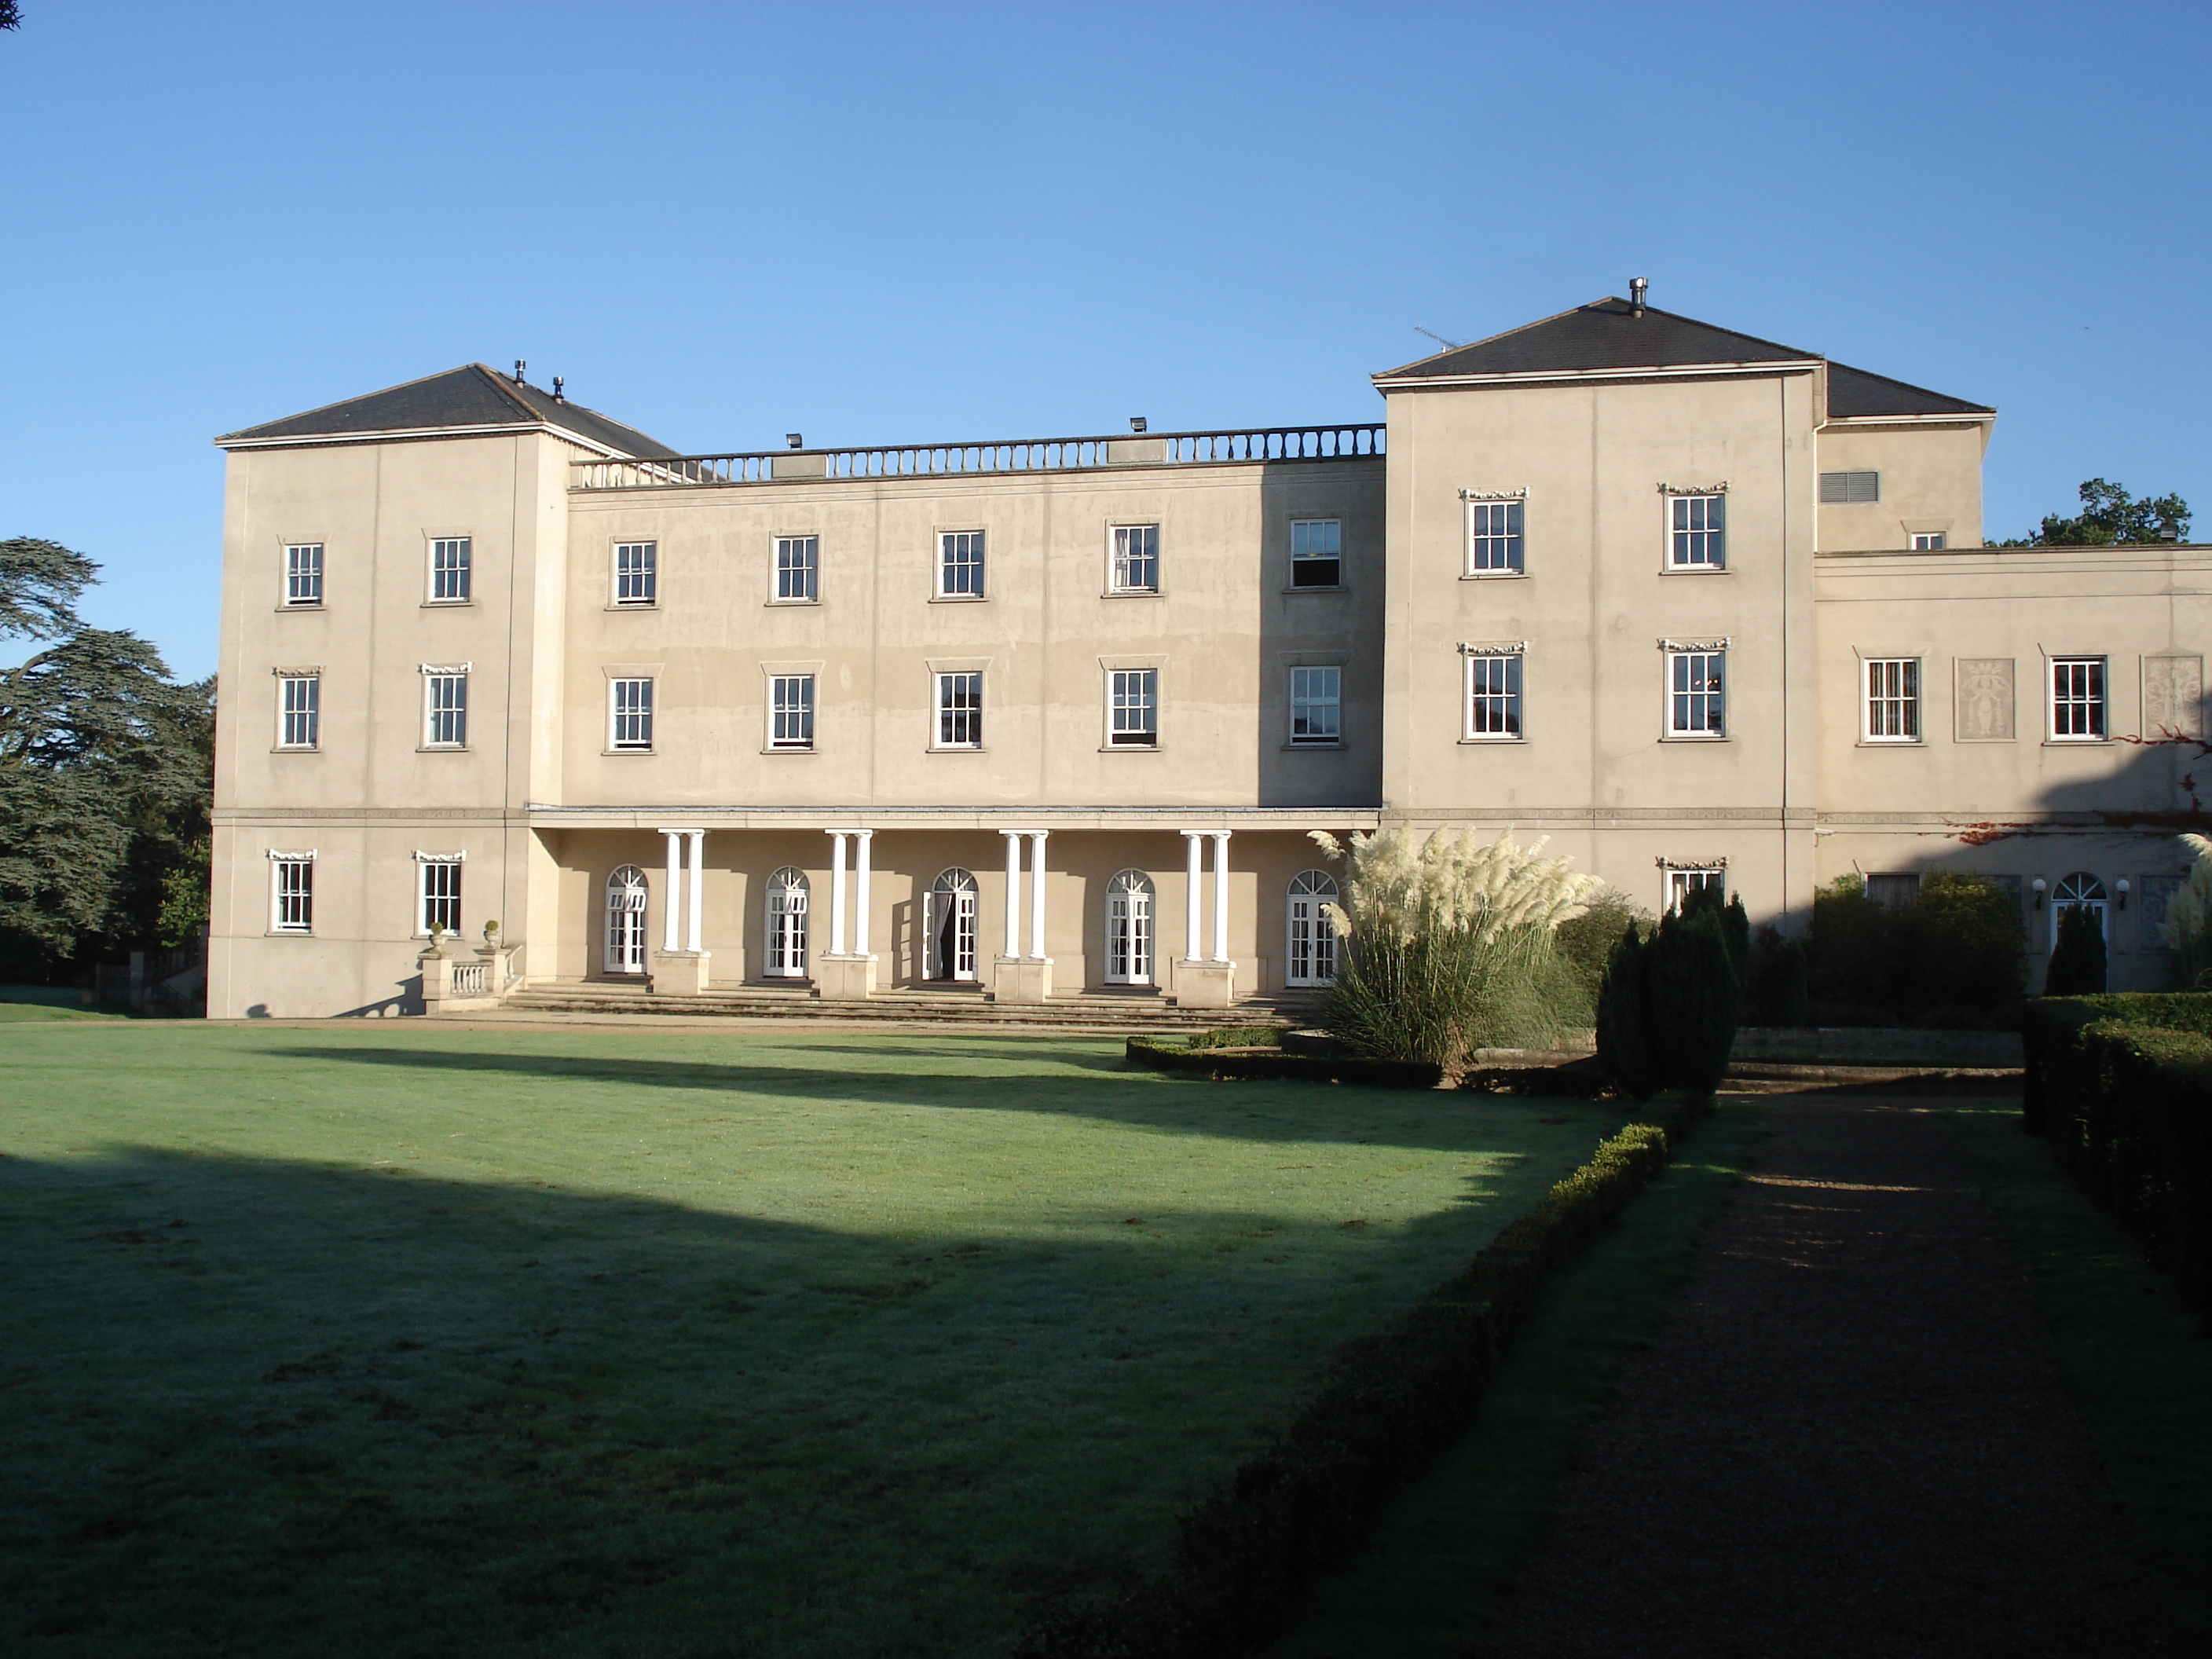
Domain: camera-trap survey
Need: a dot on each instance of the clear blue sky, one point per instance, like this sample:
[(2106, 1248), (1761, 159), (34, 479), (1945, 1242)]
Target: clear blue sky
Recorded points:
[(873, 223)]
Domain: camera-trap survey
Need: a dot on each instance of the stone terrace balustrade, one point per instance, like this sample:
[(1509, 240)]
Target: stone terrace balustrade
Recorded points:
[(1281, 443)]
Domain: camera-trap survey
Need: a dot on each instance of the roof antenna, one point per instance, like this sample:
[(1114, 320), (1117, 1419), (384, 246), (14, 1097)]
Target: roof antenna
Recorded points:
[(556, 389), (1636, 285), (518, 366), (1449, 345)]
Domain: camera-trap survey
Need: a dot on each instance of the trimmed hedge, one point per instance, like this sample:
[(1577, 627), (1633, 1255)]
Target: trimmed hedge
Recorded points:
[(1386, 1406), (2122, 1087), (1199, 1054)]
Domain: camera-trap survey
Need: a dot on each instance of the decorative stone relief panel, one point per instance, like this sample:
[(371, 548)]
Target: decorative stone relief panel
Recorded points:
[(2173, 695), (1984, 700)]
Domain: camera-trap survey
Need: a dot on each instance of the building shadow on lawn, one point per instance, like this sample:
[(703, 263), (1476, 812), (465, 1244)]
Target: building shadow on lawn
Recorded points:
[(283, 1408), (982, 1049), (1271, 1110)]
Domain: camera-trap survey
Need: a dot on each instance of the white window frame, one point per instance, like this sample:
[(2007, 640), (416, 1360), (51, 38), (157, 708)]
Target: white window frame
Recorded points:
[(791, 713), (967, 572), (303, 575), (629, 713), (795, 561), (452, 570), (1691, 531), (292, 892), (1855, 487), (1674, 728), (1310, 530), (1890, 695), (1133, 707), (2096, 705), (1497, 525), (1677, 879), (1324, 690), (446, 868), (1133, 550), (305, 707), (444, 706), (1480, 664), (1931, 541), (944, 716), (636, 575)]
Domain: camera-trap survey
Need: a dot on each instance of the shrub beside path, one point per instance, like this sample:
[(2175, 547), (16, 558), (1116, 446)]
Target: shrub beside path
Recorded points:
[(1850, 1439)]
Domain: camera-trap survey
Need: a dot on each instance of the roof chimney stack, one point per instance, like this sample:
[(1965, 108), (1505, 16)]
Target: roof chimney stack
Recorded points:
[(1636, 285), (518, 366), (557, 390)]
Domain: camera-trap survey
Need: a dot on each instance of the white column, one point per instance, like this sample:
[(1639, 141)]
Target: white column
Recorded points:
[(860, 892), (1036, 892), (1220, 895), (1013, 891), (671, 900), (836, 892), (697, 888), (1191, 896)]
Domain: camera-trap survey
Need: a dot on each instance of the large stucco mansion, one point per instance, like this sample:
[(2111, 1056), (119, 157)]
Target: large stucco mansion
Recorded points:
[(1055, 717)]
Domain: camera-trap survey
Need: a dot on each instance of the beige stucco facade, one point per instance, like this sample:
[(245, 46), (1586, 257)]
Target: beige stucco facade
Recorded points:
[(548, 799)]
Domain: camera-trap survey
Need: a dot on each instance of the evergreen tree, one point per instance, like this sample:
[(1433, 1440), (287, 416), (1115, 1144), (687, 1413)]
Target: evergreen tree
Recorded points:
[(2077, 960), (1624, 1045), (1779, 993)]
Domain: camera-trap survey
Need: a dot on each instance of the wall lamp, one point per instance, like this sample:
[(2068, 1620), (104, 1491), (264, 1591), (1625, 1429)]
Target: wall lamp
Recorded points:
[(2037, 884), (2121, 886)]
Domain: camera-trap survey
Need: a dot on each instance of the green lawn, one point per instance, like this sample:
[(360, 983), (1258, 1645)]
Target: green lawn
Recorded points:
[(40, 1002), (396, 1339)]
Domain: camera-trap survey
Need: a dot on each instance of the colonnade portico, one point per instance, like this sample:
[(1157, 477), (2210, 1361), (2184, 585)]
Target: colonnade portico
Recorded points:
[(1096, 917)]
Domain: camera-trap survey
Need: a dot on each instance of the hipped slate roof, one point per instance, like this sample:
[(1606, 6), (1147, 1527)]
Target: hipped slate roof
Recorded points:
[(1609, 335), (474, 396)]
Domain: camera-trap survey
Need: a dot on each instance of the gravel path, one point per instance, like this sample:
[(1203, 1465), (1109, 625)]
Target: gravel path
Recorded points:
[(1849, 1439)]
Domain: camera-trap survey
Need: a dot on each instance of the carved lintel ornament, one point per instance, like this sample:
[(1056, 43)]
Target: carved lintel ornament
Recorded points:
[(1520, 494), (1720, 644), (1720, 488), (1493, 648)]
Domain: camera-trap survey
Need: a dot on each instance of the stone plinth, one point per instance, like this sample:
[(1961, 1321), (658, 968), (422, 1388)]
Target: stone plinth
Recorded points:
[(845, 978), (1204, 984), (1022, 979), (679, 973)]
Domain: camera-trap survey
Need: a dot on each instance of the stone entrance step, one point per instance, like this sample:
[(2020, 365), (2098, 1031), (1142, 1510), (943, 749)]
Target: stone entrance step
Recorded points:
[(1103, 1014)]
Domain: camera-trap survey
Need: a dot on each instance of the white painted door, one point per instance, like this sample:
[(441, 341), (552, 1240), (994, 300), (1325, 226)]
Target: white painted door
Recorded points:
[(1129, 929), (625, 899), (952, 927), (1310, 943), (784, 955)]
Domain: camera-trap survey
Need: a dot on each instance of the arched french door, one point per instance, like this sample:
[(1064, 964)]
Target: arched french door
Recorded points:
[(625, 930), (1310, 943), (784, 952), (1129, 929), (952, 927), (2082, 889)]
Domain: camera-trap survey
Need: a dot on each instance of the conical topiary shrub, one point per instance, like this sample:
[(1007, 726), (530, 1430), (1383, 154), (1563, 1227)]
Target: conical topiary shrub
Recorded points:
[(2077, 960), (1690, 1003), (1624, 1045)]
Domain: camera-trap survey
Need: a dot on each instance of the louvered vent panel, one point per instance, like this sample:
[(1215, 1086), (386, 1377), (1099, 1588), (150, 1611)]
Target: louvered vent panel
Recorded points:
[(1851, 486)]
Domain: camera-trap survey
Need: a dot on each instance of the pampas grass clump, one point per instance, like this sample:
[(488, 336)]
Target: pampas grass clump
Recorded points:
[(1450, 945), (2188, 929)]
